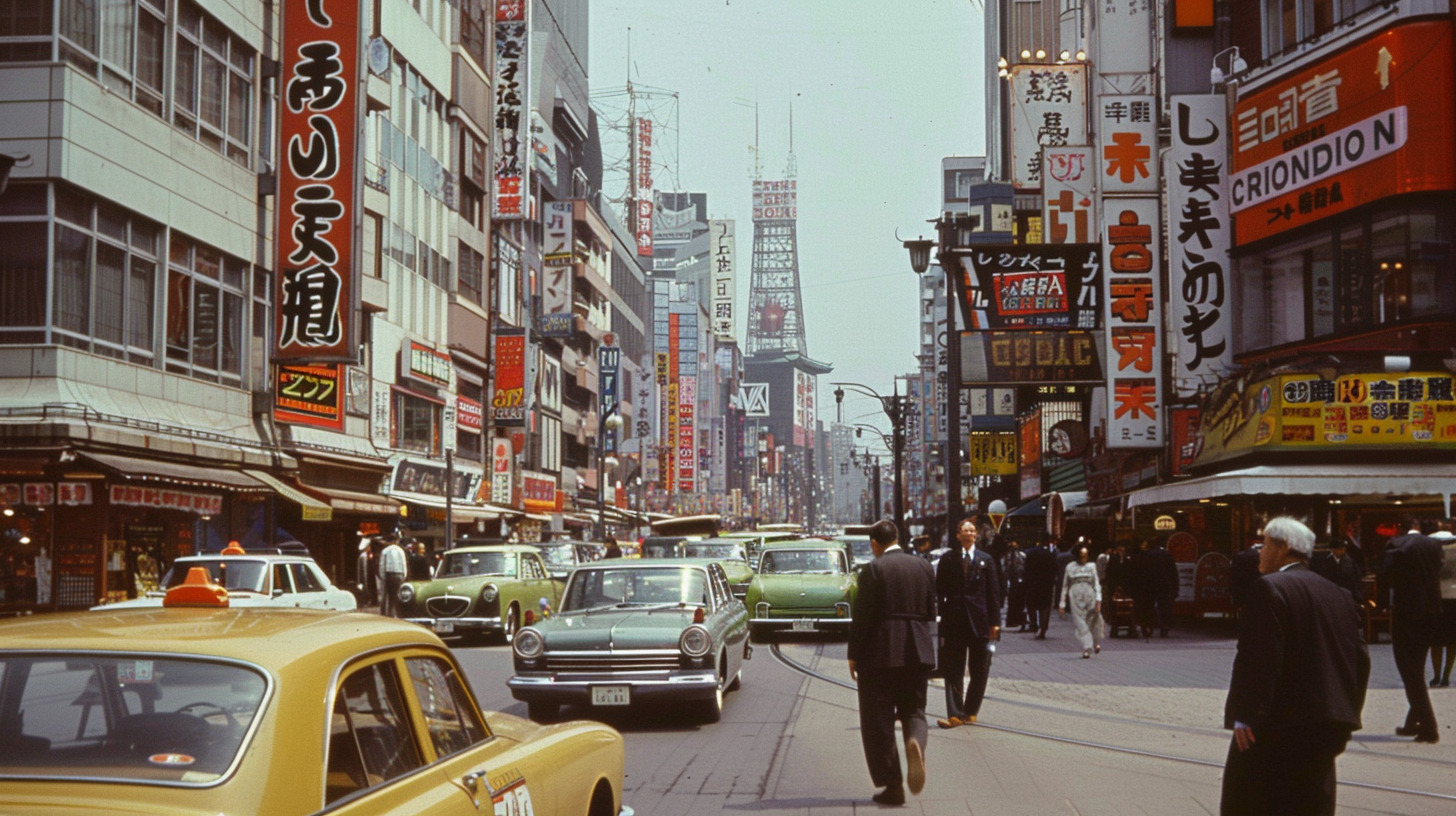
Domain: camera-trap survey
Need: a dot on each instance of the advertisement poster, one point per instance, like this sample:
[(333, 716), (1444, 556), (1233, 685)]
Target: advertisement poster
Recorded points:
[(1133, 322), (508, 405), (1069, 195), (512, 27), (1043, 286), (310, 395), (318, 131), (1048, 109), (1031, 455), (724, 247)]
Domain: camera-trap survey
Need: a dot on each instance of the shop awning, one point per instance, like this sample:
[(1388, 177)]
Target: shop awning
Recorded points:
[(1342, 481), (1037, 506), (349, 501), (313, 509), (176, 473), (460, 511)]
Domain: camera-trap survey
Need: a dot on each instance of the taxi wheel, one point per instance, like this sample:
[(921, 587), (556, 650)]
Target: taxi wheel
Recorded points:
[(513, 622), (542, 712)]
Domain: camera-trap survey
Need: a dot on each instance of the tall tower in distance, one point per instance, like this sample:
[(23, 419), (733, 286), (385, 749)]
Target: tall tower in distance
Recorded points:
[(775, 304)]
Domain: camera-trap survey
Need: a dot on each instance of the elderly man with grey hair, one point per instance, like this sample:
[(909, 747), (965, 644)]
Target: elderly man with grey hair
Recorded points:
[(1298, 683)]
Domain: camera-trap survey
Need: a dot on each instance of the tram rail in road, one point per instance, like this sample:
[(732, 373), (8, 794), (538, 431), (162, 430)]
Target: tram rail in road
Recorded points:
[(794, 665)]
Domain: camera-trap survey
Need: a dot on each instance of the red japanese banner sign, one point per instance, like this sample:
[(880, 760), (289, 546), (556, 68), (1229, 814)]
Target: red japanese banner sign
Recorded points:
[(318, 191)]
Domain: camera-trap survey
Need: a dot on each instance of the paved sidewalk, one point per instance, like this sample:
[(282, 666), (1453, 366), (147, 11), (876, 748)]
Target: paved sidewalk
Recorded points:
[(1161, 697)]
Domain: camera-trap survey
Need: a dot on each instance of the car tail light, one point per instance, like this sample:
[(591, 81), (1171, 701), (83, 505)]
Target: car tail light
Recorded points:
[(699, 615)]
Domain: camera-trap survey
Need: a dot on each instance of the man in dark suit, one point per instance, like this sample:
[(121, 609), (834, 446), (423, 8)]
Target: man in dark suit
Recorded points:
[(891, 654), (1159, 570), (968, 591), (1040, 579), (1243, 572), (1337, 565), (1298, 684), (1412, 565)]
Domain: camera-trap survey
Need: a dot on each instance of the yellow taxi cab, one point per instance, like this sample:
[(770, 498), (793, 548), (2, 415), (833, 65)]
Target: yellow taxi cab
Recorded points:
[(200, 708)]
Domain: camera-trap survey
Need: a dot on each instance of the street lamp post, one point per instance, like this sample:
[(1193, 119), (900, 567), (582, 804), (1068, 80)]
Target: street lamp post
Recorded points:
[(896, 443), (955, 231), (609, 424)]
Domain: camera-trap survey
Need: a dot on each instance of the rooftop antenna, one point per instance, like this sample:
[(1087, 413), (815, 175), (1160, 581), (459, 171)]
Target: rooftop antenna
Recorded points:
[(792, 169)]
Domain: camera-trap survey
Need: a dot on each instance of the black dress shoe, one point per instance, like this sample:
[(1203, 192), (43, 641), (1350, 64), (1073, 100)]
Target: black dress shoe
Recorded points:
[(1407, 731), (1435, 682), (893, 795), (1433, 737)]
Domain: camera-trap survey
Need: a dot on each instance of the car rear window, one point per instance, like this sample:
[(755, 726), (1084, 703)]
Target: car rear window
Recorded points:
[(800, 562), (464, 564), (148, 718)]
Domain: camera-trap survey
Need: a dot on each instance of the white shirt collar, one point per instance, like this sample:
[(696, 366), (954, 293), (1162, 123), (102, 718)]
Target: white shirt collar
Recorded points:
[(893, 548), (1287, 566)]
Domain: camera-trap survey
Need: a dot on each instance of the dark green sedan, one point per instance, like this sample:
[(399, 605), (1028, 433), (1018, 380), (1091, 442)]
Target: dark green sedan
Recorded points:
[(635, 633), (801, 586)]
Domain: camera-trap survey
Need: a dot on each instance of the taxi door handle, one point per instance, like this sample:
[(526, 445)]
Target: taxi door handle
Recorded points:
[(471, 781)]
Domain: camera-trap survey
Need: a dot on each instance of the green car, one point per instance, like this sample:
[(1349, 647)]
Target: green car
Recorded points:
[(801, 586), (482, 590), (730, 554), (635, 632)]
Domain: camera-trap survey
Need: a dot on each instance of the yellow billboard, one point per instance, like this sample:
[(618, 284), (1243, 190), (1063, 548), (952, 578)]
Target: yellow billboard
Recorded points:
[(993, 454)]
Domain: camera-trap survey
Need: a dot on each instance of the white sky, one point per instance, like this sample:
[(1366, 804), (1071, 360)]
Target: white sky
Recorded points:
[(881, 92)]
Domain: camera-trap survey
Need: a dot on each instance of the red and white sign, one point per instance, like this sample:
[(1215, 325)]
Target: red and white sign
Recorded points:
[(642, 184), (469, 414), (512, 165), (1048, 109), (687, 457), (776, 200), (1370, 122), (1069, 200), (501, 472), (199, 503), (1133, 321), (423, 364), (41, 494), (318, 126), (1127, 144), (73, 494), (538, 491)]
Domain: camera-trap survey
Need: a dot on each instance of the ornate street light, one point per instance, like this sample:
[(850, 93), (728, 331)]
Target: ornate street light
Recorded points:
[(894, 407)]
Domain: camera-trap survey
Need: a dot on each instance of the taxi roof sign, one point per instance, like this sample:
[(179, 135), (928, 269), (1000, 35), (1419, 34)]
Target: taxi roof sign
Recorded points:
[(197, 590), (234, 548)]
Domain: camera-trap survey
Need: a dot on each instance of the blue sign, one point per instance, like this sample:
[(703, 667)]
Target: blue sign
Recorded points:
[(609, 361), (558, 325)]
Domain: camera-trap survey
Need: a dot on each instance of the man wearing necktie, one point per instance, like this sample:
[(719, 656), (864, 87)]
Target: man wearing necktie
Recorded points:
[(967, 590)]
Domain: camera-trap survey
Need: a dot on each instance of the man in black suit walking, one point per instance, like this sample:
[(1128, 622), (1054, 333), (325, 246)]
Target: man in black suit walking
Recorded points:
[(968, 591), (1298, 683), (891, 655), (1412, 564), (1040, 578), (1158, 572)]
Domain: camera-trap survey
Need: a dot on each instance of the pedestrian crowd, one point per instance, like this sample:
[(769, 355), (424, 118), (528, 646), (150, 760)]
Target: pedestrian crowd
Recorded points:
[(1299, 676)]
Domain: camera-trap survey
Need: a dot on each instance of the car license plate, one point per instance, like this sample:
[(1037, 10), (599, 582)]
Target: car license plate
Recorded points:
[(611, 695), (803, 625), (444, 627)]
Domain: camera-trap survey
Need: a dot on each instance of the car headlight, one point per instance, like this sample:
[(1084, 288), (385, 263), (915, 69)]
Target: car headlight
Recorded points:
[(406, 593), (489, 593), (695, 641), (529, 644)]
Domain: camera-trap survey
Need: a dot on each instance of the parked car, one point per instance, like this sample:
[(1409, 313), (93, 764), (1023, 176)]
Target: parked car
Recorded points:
[(801, 586), (482, 590), (858, 539), (561, 557), (254, 579), (635, 632), (668, 534), (271, 712)]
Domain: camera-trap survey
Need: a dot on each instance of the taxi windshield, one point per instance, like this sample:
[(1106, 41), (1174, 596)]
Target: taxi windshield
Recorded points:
[(232, 574), (801, 562), (635, 587), (563, 556), (461, 564), (721, 552), (136, 718)]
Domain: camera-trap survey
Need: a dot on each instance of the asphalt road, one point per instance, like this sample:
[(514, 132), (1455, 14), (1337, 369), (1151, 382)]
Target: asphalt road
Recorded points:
[(788, 744)]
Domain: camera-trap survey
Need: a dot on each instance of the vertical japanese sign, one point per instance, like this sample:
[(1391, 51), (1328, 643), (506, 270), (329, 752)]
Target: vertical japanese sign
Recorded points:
[(669, 463), (1069, 195), (609, 362), (512, 165), (508, 405), (1199, 233), (500, 471), (557, 256), (724, 246), (687, 438), (804, 387), (1031, 445), (1127, 149), (642, 183), (1048, 109), (1133, 322), (317, 188)]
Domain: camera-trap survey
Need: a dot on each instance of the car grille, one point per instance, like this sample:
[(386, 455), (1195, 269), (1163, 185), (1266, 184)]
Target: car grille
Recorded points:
[(613, 662), (803, 612), (447, 606)]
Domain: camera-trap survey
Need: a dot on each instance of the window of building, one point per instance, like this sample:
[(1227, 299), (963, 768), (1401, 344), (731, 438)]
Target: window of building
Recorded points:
[(25, 30), (418, 423), (213, 89), (207, 311), (475, 31), (1287, 23), (505, 275), (472, 273), (120, 42)]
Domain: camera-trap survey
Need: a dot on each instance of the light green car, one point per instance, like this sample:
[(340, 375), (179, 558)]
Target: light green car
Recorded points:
[(730, 553), (483, 590), (801, 586)]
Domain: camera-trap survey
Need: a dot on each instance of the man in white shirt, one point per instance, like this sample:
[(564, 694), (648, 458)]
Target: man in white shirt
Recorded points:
[(392, 567)]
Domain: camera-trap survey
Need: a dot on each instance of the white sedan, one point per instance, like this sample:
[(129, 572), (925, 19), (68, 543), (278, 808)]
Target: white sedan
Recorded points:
[(276, 581)]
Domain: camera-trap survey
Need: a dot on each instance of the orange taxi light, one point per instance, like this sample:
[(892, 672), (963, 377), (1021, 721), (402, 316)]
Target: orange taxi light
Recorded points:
[(234, 548), (197, 590)]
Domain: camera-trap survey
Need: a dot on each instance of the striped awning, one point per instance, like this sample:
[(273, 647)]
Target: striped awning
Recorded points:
[(313, 509)]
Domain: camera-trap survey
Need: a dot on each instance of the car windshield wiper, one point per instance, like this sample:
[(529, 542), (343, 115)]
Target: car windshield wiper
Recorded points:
[(682, 605)]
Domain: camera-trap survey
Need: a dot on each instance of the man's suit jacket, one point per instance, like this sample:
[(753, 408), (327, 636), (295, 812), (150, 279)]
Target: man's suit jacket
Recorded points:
[(968, 608), (1412, 564), (1040, 575), (1301, 660), (894, 610), (1157, 572), (1243, 572)]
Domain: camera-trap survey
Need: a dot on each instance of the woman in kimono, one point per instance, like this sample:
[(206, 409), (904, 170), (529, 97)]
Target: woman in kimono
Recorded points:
[(1082, 595)]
